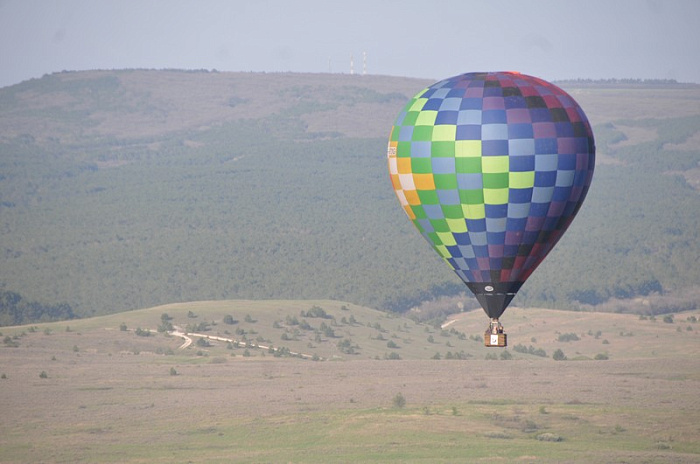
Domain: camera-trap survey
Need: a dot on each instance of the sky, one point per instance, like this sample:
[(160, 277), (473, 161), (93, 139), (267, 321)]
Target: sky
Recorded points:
[(551, 39)]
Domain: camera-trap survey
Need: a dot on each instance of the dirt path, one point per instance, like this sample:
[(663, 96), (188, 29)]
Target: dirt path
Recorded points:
[(188, 341), (178, 333)]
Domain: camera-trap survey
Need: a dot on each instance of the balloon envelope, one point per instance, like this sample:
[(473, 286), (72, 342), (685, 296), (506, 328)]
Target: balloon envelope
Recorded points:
[(492, 168)]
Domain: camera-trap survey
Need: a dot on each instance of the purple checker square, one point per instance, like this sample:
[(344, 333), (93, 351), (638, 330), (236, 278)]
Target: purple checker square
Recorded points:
[(474, 92), (494, 103), (518, 116), (566, 101), (544, 130), (513, 237), (534, 223), (496, 251), (555, 209)]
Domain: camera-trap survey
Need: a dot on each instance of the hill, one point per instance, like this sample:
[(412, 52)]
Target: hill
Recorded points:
[(129, 189), (331, 330), (107, 389)]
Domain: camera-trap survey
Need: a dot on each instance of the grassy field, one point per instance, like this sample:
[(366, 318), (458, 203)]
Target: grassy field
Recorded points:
[(88, 391)]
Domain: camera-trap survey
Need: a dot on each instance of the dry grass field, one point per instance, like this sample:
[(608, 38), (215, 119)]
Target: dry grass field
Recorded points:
[(85, 391)]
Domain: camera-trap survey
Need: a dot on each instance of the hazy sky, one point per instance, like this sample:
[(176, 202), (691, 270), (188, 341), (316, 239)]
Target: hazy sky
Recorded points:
[(552, 39)]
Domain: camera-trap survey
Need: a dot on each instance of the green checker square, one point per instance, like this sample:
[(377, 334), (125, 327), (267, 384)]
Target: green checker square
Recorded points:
[(426, 118), (410, 118), (445, 132), (422, 134), (419, 212), (440, 225), (434, 239), (445, 181), (417, 104), (428, 197), (521, 179), (421, 166), (452, 211), (394, 137), (443, 149), (496, 181), (403, 150), (470, 165), (495, 164), (471, 197)]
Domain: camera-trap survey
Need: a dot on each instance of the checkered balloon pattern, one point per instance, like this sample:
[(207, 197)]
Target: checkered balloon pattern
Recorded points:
[(492, 168)]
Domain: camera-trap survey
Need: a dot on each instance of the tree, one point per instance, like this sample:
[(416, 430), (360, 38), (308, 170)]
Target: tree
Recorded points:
[(399, 401), (559, 355)]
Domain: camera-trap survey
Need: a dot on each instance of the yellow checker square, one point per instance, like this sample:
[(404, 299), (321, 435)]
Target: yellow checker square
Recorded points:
[(521, 179), (474, 211), (403, 165), (444, 132), (494, 164), (465, 148), (442, 251), (424, 181), (418, 104), (447, 238), (409, 212), (412, 197), (496, 196), (457, 226), (426, 118)]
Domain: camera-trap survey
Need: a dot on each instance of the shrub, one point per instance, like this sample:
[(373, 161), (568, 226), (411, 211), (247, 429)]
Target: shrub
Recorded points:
[(173, 371), (228, 319), (142, 332), (399, 401), (601, 357), (568, 337), (559, 355), (43, 375), (549, 437)]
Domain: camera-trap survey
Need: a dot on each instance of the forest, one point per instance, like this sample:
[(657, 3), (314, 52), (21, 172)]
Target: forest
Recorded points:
[(127, 189)]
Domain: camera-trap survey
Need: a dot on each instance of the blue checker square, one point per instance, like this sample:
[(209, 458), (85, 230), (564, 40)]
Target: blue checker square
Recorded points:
[(468, 132)]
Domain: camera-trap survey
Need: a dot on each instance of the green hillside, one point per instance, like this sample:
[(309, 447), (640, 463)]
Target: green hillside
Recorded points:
[(130, 189)]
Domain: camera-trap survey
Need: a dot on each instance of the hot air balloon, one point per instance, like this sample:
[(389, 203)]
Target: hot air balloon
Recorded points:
[(491, 168)]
